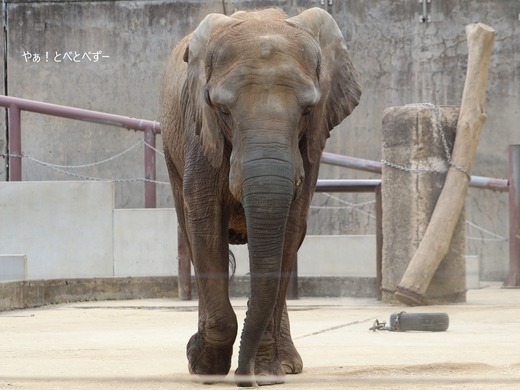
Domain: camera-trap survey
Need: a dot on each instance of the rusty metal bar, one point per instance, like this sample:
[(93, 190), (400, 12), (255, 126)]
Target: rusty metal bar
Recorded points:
[(346, 185), (150, 174), (16, 105), (376, 167), (15, 144), (489, 183), (79, 114), (352, 162), (379, 243), (513, 278)]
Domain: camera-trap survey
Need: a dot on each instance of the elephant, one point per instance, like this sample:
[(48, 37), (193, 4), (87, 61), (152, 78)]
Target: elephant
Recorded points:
[(247, 104)]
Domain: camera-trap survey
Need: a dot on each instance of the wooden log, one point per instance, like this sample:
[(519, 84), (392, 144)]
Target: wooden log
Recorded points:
[(436, 241)]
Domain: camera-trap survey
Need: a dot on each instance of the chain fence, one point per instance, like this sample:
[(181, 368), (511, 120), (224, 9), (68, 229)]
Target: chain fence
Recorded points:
[(322, 201)]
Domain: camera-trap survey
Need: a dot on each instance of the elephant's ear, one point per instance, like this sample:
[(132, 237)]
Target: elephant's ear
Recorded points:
[(202, 117), (340, 91)]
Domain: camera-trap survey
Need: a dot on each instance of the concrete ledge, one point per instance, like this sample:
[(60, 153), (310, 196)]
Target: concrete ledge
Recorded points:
[(34, 293), (355, 287), (364, 287)]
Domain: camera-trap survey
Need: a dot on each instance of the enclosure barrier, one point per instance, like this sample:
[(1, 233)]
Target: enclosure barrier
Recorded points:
[(513, 278), (151, 128), (16, 105), (360, 164)]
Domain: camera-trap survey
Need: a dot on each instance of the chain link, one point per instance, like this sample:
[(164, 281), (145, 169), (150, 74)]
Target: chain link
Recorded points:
[(60, 168), (395, 327), (446, 147), (412, 170)]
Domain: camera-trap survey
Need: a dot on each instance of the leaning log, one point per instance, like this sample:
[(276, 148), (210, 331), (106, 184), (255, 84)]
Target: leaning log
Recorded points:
[(437, 238)]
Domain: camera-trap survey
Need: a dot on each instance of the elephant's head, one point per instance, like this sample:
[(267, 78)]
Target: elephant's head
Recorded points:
[(269, 83), (272, 88)]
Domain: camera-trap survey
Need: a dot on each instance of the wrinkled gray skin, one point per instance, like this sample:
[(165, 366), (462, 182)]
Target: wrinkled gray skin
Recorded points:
[(248, 102)]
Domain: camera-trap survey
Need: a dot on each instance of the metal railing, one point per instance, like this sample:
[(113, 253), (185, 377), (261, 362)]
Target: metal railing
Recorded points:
[(360, 164), (15, 106), (151, 128)]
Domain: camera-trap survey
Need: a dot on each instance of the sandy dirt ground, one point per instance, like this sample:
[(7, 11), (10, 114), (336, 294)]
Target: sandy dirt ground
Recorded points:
[(140, 344)]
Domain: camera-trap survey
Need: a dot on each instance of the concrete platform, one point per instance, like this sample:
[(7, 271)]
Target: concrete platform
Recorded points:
[(140, 344)]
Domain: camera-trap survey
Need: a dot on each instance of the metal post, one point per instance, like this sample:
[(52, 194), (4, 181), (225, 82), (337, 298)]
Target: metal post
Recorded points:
[(379, 243), (513, 279), (149, 168), (15, 143)]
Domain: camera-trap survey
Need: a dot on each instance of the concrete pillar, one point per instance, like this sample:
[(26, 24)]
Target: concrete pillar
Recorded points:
[(413, 176)]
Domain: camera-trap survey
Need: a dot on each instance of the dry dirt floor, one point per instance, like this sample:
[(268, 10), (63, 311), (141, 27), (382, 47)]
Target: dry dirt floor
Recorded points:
[(140, 344)]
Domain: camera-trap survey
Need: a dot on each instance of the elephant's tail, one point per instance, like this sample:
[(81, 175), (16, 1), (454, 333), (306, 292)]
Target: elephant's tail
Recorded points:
[(232, 265)]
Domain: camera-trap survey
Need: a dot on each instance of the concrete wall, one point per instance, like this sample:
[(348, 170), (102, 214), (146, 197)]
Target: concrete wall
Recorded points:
[(145, 242), (326, 256), (64, 241), (63, 230), (400, 61)]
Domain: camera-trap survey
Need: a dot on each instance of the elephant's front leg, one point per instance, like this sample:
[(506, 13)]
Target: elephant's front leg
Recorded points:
[(277, 354), (291, 360), (209, 351)]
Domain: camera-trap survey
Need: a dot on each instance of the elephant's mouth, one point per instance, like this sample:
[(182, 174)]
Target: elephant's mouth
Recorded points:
[(237, 229), (237, 237)]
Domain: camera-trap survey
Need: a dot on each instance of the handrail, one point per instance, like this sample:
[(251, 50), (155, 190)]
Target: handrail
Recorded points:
[(152, 128), (80, 114), (347, 185), (16, 105), (360, 164)]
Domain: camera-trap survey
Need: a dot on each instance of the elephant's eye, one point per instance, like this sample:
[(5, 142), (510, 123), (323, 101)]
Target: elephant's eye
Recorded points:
[(223, 110), (307, 110), (207, 99)]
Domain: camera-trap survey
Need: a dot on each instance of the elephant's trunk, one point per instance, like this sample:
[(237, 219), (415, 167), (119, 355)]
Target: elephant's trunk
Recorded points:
[(268, 191)]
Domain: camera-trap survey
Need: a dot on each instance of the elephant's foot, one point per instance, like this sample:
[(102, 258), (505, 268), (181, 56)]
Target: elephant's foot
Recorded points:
[(291, 360), (269, 372), (267, 369), (261, 378), (289, 356), (205, 359), (245, 378)]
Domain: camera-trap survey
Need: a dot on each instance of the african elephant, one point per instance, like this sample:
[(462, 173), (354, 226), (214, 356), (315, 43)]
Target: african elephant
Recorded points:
[(247, 104)]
